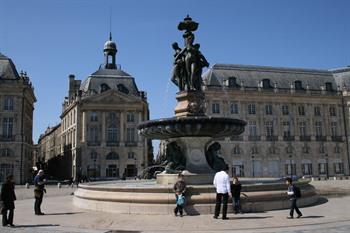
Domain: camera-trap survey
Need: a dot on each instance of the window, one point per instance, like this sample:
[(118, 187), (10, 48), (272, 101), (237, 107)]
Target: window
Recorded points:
[(301, 110), (334, 129), (238, 170), (131, 155), (93, 133), (215, 108), (298, 85), (337, 149), (93, 117), (130, 135), (317, 111), (322, 149), (112, 171), (232, 82), (104, 87), (252, 128), (332, 111), (122, 88), (269, 128), (266, 84), (93, 155), (338, 168), (306, 149), (112, 130), (289, 149), (7, 127), (130, 117), (285, 110), (5, 152), (251, 109), (268, 109), (291, 169), (8, 105), (329, 86), (272, 150), (318, 126), (112, 156), (286, 129), (234, 108), (236, 150), (302, 128), (322, 168), (306, 169)]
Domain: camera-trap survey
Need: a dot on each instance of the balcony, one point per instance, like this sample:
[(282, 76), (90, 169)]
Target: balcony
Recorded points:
[(130, 144), (254, 138), (337, 138), (288, 138), (305, 138), (94, 143), (112, 143), (7, 138), (321, 138), (271, 138)]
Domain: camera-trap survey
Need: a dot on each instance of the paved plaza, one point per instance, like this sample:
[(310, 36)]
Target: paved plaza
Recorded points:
[(61, 216)]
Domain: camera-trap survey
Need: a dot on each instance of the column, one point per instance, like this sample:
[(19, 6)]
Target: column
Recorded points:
[(103, 122), (122, 127), (83, 133)]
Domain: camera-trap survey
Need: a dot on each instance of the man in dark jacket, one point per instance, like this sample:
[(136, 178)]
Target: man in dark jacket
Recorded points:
[(8, 198), (293, 199), (39, 183)]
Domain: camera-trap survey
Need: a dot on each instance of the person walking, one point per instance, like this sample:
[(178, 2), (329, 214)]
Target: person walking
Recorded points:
[(8, 198), (179, 189), (39, 183), (223, 190), (293, 196), (236, 195)]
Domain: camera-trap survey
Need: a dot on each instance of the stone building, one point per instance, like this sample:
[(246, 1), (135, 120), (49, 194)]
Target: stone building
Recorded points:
[(98, 123), (297, 119), (16, 122)]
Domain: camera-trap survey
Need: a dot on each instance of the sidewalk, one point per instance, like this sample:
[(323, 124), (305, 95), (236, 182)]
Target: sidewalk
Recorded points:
[(62, 216)]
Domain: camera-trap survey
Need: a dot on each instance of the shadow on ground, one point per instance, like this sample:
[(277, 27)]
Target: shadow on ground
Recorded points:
[(313, 216), (37, 225), (68, 213)]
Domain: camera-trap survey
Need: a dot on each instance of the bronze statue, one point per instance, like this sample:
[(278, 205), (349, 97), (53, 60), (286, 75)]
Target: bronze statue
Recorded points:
[(216, 162), (175, 159), (189, 61)]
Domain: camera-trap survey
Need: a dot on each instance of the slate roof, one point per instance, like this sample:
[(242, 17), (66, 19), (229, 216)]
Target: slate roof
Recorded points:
[(342, 76), (7, 68), (110, 77), (251, 75)]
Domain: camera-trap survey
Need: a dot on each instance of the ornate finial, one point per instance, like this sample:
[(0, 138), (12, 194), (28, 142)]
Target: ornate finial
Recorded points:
[(110, 36), (188, 24)]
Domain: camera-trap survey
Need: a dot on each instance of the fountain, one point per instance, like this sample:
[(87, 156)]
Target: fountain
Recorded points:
[(192, 148)]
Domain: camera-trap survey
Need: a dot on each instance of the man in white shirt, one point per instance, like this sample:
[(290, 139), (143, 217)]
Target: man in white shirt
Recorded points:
[(223, 190)]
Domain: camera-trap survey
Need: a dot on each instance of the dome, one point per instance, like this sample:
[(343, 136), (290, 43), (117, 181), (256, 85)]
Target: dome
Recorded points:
[(110, 45)]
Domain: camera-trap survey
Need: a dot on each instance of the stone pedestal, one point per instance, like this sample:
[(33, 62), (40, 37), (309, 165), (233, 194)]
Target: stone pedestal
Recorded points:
[(190, 178), (190, 103)]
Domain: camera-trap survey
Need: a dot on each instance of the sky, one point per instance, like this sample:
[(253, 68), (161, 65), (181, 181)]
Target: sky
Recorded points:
[(51, 39)]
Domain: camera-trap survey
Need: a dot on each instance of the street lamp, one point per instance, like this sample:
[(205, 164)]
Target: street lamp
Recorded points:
[(290, 166), (94, 169), (327, 175), (253, 165)]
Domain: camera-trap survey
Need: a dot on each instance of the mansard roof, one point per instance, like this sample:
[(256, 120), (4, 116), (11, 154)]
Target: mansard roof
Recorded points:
[(7, 68), (251, 75)]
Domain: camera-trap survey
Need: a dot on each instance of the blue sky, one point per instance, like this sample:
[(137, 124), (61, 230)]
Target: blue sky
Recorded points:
[(52, 39)]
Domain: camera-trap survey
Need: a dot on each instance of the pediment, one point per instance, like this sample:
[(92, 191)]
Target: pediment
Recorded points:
[(110, 97)]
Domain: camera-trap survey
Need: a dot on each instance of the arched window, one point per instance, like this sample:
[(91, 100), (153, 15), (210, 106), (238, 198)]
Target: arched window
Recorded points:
[(104, 87), (112, 156)]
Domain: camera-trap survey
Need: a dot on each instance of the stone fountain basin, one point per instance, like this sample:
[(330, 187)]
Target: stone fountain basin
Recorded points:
[(197, 126)]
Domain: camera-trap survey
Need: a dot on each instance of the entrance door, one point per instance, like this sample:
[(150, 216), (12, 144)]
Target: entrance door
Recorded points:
[(130, 170), (257, 168)]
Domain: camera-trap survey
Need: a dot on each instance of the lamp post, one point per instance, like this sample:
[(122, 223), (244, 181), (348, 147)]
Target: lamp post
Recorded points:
[(327, 175), (95, 169), (290, 165), (253, 165)]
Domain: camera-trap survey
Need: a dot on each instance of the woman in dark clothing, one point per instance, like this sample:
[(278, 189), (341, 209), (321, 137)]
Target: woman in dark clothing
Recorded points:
[(179, 189), (236, 195), (8, 198)]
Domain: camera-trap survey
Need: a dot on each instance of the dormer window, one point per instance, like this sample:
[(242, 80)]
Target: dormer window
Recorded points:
[(122, 88), (232, 82), (266, 83), (298, 85), (104, 87), (329, 86)]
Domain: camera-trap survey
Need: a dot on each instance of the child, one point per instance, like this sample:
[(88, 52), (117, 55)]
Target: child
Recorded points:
[(179, 189), (236, 195)]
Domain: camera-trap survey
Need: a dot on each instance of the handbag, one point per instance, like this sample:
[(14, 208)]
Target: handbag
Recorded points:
[(180, 200)]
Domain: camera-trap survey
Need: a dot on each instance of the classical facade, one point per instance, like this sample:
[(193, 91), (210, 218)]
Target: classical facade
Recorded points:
[(297, 119), (16, 122), (98, 124)]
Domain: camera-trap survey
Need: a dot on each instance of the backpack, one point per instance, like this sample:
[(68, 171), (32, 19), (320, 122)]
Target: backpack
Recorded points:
[(180, 200), (297, 192)]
